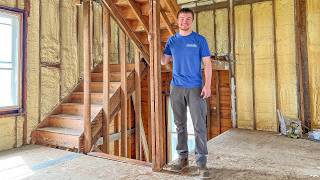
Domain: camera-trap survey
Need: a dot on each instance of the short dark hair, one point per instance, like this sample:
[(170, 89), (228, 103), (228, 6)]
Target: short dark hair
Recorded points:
[(185, 10)]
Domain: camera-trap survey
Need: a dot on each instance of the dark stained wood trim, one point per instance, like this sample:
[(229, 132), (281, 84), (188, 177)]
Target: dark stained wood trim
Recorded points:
[(217, 81)]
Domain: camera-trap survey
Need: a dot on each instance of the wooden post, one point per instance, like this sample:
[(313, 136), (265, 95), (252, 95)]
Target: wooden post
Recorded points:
[(124, 93), (232, 65), (158, 136), (137, 101), (87, 49), (302, 62), (106, 78)]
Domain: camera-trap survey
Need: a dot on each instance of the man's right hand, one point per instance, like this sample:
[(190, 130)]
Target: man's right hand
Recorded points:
[(149, 38)]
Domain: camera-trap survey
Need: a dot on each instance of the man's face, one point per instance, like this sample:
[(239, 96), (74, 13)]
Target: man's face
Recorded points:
[(185, 21)]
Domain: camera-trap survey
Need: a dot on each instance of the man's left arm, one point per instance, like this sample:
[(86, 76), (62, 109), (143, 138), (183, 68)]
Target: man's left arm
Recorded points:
[(206, 90)]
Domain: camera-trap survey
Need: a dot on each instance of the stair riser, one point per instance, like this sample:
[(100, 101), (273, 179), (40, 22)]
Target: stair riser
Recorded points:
[(98, 77), (95, 98), (66, 123), (55, 139), (96, 87), (76, 109)]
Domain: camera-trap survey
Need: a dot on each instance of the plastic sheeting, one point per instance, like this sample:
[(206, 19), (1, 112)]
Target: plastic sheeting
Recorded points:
[(286, 58), (313, 30), (264, 67), (243, 67), (222, 37)]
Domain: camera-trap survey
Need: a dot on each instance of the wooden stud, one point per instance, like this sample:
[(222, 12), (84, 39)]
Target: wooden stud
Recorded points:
[(252, 62), (87, 49), (158, 136), (124, 94), (302, 62), (137, 102), (129, 125), (275, 58), (106, 77), (232, 65)]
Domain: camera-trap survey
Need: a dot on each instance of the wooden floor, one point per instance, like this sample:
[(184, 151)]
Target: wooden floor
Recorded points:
[(236, 154)]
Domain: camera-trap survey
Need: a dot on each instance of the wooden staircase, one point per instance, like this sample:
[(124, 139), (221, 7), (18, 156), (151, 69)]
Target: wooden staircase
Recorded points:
[(133, 18), (63, 128)]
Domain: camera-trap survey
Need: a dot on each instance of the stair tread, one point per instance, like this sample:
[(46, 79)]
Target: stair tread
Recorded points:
[(77, 104), (93, 93), (61, 130), (68, 116)]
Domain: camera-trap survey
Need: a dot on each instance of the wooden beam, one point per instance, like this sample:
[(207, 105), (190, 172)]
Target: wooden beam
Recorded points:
[(302, 62), (167, 22), (87, 51), (106, 77), (136, 9), (119, 159), (124, 26), (158, 153), (137, 102), (124, 94)]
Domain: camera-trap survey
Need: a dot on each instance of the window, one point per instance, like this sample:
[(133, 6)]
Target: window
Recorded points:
[(172, 134), (11, 60)]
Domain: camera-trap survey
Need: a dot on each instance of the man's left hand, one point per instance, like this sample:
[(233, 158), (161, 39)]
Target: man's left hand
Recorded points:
[(206, 92)]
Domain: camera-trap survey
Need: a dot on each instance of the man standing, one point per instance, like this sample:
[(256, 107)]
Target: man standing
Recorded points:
[(186, 49)]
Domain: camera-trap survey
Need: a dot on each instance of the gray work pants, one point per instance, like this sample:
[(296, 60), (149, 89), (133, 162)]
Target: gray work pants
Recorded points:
[(180, 99)]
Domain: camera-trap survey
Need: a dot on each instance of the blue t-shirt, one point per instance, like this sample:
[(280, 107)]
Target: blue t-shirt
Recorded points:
[(187, 52)]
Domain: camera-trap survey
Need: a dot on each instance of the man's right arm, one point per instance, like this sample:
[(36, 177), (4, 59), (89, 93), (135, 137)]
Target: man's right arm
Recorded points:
[(165, 59)]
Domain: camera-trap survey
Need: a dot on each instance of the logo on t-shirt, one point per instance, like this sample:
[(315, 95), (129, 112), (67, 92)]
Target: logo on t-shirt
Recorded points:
[(192, 45)]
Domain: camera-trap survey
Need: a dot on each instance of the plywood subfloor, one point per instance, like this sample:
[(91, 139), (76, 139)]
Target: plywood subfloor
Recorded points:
[(236, 154)]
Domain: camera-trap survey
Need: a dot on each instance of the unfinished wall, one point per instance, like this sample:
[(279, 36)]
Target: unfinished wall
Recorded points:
[(313, 39), (266, 76), (54, 62)]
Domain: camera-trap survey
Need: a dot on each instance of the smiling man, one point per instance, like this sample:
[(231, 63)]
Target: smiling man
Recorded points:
[(187, 49)]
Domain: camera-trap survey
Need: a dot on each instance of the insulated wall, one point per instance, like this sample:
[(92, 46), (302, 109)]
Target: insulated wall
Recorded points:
[(244, 73), (313, 39), (266, 77)]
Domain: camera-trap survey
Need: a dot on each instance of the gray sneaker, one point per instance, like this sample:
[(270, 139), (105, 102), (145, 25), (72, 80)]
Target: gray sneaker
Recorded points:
[(181, 164), (204, 173)]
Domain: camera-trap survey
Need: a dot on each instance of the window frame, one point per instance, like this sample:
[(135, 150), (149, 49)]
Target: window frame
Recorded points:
[(21, 104)]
